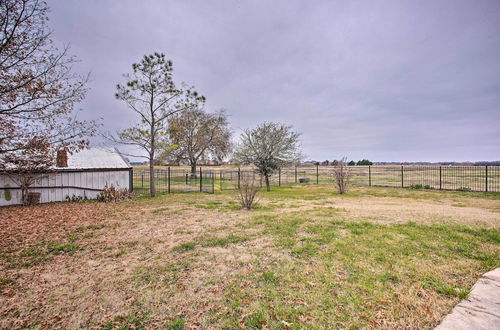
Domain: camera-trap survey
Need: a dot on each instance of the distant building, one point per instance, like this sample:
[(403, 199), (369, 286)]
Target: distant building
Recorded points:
[(84, 174)]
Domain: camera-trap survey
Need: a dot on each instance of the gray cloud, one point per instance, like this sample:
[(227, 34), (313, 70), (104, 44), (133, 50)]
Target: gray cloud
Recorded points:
[(385, 80)]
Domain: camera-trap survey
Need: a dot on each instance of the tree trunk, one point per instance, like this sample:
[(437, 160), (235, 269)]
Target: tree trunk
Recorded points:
[(24, 194), (193, 169), (268, 186), (152, 187)]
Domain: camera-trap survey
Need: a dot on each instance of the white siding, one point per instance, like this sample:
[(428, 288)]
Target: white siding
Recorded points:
[(83, 180)]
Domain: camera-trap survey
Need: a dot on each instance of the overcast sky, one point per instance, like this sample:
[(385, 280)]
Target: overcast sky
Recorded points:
[(383, 80)]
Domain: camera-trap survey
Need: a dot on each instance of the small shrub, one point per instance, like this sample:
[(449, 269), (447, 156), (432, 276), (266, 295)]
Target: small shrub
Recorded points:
[(111, 194), (247, 193), (342, 175), (75, 199), (419, 186)]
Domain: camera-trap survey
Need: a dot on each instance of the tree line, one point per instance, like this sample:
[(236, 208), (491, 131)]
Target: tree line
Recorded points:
[(350, 163)]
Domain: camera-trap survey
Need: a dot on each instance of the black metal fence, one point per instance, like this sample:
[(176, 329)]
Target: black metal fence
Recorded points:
[(174, 180), (464, 178)]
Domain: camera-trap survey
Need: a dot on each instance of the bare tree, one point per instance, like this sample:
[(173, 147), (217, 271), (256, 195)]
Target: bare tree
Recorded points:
[(268, 147), (342, 174), (151, 93), (38, 89), (38, 92), (199, 135)]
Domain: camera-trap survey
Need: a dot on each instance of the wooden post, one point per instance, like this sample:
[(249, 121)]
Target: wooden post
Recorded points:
[(239, 177), (213, 181), (279, 176), (295, 173), (317, 174)]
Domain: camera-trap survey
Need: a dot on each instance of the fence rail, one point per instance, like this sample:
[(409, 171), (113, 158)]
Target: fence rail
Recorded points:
[(465, 178)]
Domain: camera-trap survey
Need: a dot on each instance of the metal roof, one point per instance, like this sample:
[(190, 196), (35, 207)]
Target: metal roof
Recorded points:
[(96, 158)]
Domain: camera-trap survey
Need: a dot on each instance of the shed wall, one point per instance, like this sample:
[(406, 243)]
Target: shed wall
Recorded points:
[(54, 187)]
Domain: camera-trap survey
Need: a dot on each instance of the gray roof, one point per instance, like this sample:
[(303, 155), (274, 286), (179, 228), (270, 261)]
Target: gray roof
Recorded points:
[(96, 158)]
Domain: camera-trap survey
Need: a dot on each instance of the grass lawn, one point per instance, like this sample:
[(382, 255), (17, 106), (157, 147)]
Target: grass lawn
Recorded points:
[(305, 257)]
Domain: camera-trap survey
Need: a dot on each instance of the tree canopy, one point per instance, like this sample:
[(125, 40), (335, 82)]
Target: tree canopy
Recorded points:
[(38, 93), (151, 93), (198, 136), (268, 147), (364, 162)]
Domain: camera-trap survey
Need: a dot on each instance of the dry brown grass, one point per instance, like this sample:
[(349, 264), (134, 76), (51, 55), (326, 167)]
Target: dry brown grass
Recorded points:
[(196, 260)]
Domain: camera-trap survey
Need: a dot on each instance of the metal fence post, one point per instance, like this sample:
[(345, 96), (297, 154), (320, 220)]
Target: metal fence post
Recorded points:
[(440, 177), (165, 178), (295, 173), (201, 180), (220, 180), (213, 181), (402, 177), (486, 177), (131, 180), (142, 180), (239, 177), (369, 176), (279, 176), (168, 181), (317, 174)]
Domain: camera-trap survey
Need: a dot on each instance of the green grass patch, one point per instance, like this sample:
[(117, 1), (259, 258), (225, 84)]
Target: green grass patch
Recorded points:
[(133, 320), (160, 210), (62, 248), (184, 247), (220, 206), (5, 281), (223, 241), (344, 272), (176, 324)]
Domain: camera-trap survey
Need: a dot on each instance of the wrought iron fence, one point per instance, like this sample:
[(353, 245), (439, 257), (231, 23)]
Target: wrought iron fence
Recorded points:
[(464, 178), (174, 180)]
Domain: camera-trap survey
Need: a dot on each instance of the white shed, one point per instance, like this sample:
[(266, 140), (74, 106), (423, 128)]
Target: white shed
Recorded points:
[(87, 173)]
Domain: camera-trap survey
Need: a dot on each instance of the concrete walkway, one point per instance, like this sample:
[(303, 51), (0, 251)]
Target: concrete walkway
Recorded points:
[(481, 310)]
